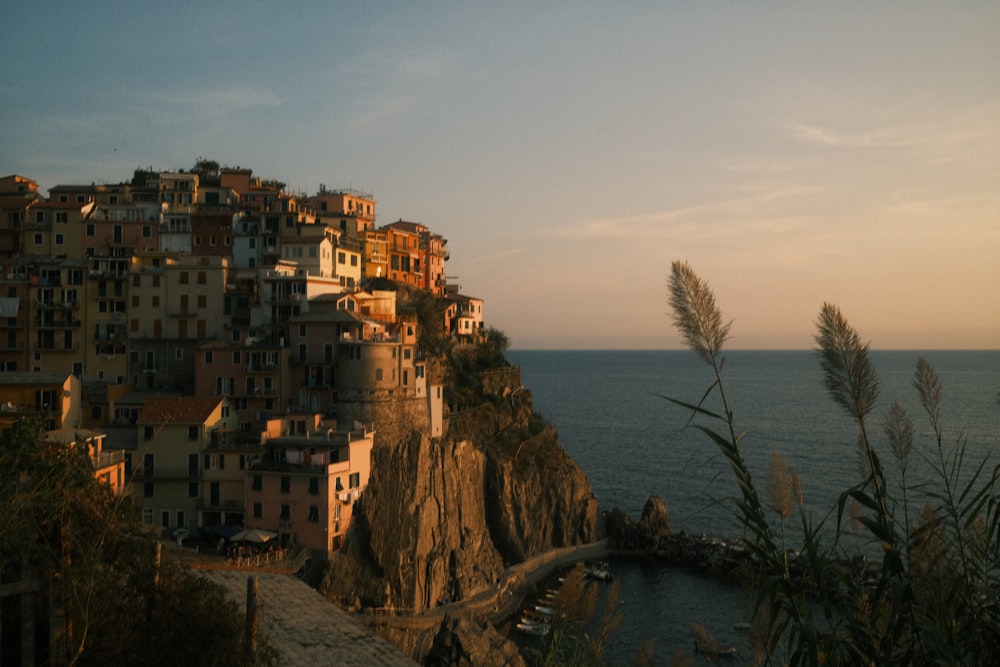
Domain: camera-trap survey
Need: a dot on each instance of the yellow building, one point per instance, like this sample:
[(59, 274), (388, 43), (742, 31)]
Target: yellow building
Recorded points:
[(109, 466), (176, 303), (55, 397), (174, 434)]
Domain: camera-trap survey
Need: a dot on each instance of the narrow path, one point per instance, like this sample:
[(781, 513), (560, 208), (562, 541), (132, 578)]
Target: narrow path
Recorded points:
[(499, 603)]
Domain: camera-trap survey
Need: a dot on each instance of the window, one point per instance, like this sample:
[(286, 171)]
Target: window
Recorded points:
[(61, 216), (314, 513), (209, 357), (314, 486), (192, 433), (60, 239), (225, 410), (147, 433), (202, 301), (355, 480), (147, 231), (354, 260), (258, 510), (156, 301), (236, 356), (341, 258), (90, 229), (147, 490), (184, 278), (179, 353), (192, 489), (257, 483), (38, 239), (378, 374), (286, 483), (286, 512), (202, 277)]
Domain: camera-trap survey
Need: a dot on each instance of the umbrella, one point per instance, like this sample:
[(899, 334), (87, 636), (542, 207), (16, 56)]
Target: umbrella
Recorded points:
[(253, 535)]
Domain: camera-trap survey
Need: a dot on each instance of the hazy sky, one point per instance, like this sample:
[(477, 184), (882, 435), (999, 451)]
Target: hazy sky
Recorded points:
[(792, 152)]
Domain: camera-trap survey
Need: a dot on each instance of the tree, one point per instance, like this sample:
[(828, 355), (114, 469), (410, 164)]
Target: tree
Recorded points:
[(60, 524)]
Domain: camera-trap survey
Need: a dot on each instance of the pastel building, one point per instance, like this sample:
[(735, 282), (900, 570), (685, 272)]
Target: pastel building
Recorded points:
[(109, 466), (176, 439), (308, 478), (54, 397)]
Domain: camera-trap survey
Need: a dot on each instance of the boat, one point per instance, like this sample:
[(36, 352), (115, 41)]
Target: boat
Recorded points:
[(532, 628), (599, 572), (530, 616)]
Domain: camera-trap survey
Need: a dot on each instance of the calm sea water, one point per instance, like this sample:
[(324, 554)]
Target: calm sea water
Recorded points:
[(632, 444)]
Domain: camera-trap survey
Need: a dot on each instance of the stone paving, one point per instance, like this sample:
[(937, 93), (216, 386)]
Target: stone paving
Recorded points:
[(304, 627)]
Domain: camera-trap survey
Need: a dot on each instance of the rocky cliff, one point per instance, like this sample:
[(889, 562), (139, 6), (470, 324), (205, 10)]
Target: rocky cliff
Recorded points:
[(442, 517)]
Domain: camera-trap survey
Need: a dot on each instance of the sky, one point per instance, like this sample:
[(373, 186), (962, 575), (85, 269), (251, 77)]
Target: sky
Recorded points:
[(793, 153)]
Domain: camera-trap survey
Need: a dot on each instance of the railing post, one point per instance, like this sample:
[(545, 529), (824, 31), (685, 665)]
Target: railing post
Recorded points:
[(250, 631)]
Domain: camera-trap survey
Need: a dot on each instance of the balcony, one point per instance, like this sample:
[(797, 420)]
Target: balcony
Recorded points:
[(107, 459), (227, 505)]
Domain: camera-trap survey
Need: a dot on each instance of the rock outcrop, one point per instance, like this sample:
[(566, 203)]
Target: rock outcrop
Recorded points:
[(424, 538), (627, 535), (442, 518)]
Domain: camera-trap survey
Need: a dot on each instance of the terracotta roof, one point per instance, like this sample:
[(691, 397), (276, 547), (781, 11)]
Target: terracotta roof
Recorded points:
[(178, 409)]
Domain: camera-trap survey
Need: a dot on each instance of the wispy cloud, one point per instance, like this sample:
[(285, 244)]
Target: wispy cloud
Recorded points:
[(938, 135), (741, 207)]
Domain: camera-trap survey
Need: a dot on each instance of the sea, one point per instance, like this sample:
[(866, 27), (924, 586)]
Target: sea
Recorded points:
[(611, 414)]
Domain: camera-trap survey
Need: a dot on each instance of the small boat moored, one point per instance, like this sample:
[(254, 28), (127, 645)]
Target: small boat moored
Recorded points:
[(599, 571)]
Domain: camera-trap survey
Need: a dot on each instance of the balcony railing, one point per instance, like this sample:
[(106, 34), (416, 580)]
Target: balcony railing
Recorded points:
[(105, 459)]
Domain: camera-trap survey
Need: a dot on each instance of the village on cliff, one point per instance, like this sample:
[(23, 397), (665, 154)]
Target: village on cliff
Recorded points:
[(223, 346)]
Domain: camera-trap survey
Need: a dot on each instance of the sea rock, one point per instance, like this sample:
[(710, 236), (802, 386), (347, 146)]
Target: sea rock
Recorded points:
[(622, 531), (655, 521)]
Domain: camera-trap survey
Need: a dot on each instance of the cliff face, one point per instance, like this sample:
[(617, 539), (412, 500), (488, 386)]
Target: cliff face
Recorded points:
[(537, 498), (441, 518)]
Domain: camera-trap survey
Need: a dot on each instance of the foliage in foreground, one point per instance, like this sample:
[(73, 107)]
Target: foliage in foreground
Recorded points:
[(932, 597), (61, 526)]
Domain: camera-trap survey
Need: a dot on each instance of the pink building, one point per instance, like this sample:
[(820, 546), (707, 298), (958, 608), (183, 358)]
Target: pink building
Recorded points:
[(309, 476)]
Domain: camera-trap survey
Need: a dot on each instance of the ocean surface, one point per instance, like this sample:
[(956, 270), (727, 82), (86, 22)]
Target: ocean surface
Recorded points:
[(608, 409)]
